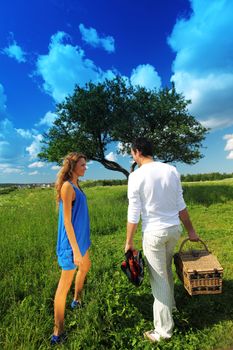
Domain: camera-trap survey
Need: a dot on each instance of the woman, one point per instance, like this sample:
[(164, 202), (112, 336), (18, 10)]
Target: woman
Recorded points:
[(73, 238)]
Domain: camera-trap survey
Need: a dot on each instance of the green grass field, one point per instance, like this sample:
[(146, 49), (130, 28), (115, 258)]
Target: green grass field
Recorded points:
[(116, 313)]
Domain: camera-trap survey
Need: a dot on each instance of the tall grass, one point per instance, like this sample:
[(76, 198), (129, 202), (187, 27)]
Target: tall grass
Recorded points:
[(116, 313)]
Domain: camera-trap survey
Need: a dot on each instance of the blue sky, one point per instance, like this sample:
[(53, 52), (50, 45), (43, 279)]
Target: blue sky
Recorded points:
[(48, 46)]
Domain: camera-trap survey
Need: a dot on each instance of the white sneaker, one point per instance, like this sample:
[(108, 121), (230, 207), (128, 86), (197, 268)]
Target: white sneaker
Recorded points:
[(154, 336)]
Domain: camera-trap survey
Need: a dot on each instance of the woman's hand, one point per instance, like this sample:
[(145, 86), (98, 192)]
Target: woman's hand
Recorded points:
[(78, 259)]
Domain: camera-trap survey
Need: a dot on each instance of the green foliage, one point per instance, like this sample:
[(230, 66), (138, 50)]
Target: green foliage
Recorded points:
[(5, 189), (115, 111), (208, 193), (116, 313), (93, 183), (206, 177)]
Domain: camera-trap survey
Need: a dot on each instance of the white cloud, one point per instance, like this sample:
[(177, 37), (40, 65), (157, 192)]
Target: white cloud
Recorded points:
[(17, 148), (230, 155), (211, 97), (36, 165), (4, 165), (6, 168), (12, 144), (2, 100), (15, 51), (27, 134), (33, 173), (111, 156), (145, 75), (35, 147), (229, 145), (216, 123), (12, 171), (109, 74), (90, 36), (204, 61), (57, 39), (55, 167), (48, 119), (65, 66)]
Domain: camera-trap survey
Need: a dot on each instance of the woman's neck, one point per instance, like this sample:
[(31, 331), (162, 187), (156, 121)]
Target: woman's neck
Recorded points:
[(74, 179)]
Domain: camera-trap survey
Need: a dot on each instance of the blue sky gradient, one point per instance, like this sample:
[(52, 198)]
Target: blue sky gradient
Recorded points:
[(48, 46)]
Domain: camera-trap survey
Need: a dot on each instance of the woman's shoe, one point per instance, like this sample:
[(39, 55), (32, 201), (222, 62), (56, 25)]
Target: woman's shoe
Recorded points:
[(76, 304), (58, 339)]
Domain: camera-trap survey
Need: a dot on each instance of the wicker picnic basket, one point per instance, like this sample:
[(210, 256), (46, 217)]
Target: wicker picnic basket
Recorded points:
[(199, 270)]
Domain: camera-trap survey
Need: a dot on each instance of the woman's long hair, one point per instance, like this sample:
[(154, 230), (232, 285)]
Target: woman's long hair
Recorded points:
[(66, 171)]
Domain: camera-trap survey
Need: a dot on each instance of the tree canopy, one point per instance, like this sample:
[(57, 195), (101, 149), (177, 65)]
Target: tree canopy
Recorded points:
[(115, 111)]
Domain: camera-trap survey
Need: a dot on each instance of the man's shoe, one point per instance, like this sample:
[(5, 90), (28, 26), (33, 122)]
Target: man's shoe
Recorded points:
[(153, 336)]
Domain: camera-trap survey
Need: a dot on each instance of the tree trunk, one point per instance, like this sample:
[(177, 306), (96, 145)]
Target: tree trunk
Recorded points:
[(108, 164)]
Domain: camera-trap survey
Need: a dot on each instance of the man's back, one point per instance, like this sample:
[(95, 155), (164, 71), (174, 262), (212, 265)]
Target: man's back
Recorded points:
[(156, 187)]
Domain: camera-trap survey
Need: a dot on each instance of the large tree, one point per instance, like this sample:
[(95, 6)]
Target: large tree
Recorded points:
[(99, 114)]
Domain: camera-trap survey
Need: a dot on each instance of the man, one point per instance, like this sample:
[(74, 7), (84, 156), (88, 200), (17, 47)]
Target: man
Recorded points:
[(155, 192)]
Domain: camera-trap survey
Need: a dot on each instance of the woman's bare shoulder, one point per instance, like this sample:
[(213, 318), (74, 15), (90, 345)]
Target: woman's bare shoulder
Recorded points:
[(66, 184), (66, 188)]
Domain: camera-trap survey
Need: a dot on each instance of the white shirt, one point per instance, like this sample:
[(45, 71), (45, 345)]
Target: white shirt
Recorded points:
[(155, 192)]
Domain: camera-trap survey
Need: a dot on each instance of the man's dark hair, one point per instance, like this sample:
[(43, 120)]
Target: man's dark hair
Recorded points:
[(143, 145)]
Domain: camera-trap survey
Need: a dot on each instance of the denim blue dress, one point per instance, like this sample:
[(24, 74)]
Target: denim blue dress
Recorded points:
[(81, 224)]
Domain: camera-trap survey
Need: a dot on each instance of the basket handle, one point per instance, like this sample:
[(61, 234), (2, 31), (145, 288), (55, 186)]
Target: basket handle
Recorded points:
[(187, 239)]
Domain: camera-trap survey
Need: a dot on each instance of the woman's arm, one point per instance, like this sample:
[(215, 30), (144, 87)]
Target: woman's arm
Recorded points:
[(67, 196)]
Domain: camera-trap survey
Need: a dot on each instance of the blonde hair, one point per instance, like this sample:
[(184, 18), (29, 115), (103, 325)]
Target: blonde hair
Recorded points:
[(66, 171)]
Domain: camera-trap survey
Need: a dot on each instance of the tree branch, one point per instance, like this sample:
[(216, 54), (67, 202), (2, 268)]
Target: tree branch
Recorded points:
[(109, 164)]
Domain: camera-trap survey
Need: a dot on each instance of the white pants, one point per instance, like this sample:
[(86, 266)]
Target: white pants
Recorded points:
[(158, 250)]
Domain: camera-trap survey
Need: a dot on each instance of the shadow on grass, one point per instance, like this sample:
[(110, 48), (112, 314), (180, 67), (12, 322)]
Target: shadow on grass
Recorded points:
[(144, 304), (196, 312), (208, 194), (205, 310)]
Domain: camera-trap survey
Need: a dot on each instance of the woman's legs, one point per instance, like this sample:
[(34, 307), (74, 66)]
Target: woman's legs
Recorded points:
[(81, 275), (60, 299), (63, 289)]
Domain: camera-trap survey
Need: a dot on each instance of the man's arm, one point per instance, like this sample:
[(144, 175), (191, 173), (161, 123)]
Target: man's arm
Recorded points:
[(184, 217), (131, 229), (134, 209)]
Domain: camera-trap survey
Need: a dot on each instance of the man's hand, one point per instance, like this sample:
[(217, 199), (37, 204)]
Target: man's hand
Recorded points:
[(193, 236), (129, 246), (184, 217), (131, 229)]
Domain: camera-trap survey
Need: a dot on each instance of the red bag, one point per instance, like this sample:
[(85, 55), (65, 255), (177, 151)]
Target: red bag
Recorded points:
[(133, 267)]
